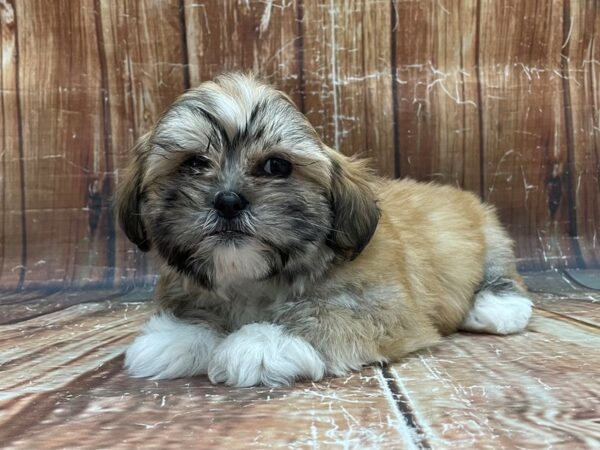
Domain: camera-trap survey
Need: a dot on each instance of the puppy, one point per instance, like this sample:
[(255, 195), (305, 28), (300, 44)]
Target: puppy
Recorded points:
[(284, 259)]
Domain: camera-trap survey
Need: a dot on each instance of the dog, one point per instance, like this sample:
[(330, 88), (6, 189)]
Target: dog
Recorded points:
[(283, 259)]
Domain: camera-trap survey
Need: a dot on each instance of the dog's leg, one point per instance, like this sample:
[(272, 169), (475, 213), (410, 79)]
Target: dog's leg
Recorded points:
[(264, 353), (313, 337), (500, 305), (171, 348)]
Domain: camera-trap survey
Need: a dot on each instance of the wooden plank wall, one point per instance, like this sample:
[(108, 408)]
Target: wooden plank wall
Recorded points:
[(501, 98)]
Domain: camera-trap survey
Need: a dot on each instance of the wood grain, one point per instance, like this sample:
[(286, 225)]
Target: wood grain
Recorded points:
[(63, 386), (534, 390), (525, 159), (13, 233), (75, 382), (584, 309), (143, 66), (347, 78), (500, 98), (581, 80), (437, 92), (61, 140), (251, 36)]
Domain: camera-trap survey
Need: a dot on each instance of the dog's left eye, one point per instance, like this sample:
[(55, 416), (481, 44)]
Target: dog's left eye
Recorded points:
[(276, 167)]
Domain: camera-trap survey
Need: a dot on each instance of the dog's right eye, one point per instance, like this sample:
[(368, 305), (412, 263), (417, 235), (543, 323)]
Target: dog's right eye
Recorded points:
[(196, 162)]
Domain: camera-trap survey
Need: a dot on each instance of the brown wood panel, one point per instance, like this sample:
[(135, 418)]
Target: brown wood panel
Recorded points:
[(534, 390), (143, 68), (12, 206), (263, 37), (347, 77), (525, 157), (61, 120), (75, 381), (583, 310), (581, 72), (14, 312), (436, 92), (64, 386), (497, 97), (63, 344)]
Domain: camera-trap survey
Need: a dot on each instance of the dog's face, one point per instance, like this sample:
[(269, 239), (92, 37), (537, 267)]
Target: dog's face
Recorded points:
[(234, 184)]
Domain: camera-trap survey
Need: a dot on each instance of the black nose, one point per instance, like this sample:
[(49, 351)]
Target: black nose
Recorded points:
[(229, 204)]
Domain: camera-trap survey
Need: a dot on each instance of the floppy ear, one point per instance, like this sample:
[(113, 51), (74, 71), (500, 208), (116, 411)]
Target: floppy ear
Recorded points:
[(354, 205), (128, 196)]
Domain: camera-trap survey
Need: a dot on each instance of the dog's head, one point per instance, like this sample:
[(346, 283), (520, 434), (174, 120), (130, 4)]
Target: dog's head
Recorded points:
[(233, 184)]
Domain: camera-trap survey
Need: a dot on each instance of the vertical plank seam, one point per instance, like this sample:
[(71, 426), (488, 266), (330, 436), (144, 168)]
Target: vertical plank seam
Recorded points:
[(334, 80), (365, 147), (23, 269), (394, 73), (463, 106), (299, 48), (480, 102), (591, 249), (404, 407), (184, 46), (571, 200), (109, 271), (2, 159)]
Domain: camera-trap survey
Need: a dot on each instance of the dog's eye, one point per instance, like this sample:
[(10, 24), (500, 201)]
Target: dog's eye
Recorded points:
[(196, 162), (276, 167)]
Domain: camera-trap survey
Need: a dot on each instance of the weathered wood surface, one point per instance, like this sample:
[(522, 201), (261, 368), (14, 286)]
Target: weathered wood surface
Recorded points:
[(63, 386), (498, 97)]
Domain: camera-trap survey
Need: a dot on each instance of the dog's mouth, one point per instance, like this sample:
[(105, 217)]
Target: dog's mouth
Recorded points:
[(231, 234)]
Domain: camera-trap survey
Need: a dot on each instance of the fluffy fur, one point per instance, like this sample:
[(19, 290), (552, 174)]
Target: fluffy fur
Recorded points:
[(327, 269)]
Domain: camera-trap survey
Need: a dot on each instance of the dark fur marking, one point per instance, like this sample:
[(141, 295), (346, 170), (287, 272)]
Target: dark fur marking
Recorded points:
[(176, 256), (258, 134), (336, 168), (171, 195), (258, 108), (179, 258), (214, 123), (499, 285), (186, 195)]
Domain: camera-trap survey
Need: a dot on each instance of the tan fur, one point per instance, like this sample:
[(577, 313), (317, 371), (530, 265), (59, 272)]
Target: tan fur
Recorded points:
[(399, 268), (429, 253)]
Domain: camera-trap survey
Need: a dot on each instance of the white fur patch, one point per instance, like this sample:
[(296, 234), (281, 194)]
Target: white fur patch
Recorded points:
[(262, 353), (244, 261), (171, 348), (498, 314)]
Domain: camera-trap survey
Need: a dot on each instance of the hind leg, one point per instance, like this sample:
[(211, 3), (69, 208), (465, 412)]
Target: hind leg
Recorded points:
[(501, 305), (498, 311)]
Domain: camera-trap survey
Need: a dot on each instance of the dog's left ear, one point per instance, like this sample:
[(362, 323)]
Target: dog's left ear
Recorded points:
[(354, 205)]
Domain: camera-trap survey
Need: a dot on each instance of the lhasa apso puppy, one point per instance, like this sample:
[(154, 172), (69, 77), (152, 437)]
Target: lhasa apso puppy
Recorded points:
[(284, 259)]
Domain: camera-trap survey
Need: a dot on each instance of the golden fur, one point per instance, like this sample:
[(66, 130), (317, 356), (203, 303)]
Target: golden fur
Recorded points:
[(337, 266)]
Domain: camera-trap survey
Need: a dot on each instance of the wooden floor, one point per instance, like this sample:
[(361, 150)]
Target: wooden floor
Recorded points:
[(62, 385)]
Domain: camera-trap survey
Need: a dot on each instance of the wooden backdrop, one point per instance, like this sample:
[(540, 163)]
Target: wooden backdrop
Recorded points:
[(500, 97)]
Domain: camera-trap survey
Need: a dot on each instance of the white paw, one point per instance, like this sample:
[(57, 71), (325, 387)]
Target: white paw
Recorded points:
[(498, 314), (262, 353), (171, 348)]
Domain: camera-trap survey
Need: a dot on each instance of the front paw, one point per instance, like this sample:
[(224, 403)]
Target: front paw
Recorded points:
[(171, 348), (262, 353)]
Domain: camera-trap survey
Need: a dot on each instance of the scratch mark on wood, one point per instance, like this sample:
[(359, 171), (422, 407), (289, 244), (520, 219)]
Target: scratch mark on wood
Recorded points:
[(266, 17)]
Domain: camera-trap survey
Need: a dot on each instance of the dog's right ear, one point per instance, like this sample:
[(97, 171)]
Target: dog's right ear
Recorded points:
[(128, 196)]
